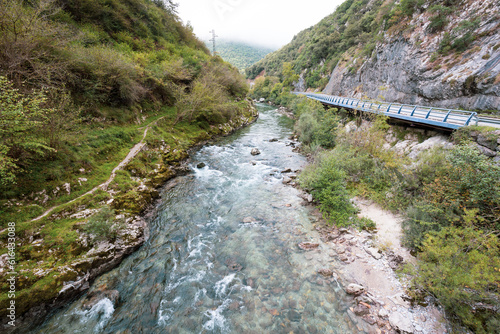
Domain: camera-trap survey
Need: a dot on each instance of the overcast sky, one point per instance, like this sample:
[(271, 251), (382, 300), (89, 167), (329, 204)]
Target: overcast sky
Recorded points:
[(271, 23)]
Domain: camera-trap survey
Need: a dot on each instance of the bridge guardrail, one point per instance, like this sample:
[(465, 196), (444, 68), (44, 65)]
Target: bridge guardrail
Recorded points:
[(440, 117)]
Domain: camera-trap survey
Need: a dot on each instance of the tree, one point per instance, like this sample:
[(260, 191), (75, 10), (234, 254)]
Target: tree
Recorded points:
[(21, 118), (289, 76)]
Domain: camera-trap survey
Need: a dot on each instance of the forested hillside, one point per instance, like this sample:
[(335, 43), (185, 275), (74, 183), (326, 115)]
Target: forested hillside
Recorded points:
[(81, 83), (410, 51), (239, 54)]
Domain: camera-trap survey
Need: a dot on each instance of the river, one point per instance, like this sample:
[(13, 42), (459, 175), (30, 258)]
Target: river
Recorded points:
[(222, 255)]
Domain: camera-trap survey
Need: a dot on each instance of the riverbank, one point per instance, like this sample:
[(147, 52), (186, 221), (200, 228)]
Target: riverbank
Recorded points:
[(59, 256)]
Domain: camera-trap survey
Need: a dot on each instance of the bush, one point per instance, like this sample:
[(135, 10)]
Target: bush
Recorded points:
[(102, 225), (316, 126), (327, 184), (465, 180), (460, 267), (440, 19)]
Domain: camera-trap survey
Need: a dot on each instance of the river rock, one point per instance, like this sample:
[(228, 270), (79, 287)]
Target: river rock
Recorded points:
[(361, 310), (294, 316), (355, 289), (401, 323), (308, 245), (373, 252), (325, 272), (200, 165), (382, 313), (273, 140), (255, 151)]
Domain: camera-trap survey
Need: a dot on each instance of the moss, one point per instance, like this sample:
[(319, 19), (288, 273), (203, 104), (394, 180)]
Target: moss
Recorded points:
[(174, 156)]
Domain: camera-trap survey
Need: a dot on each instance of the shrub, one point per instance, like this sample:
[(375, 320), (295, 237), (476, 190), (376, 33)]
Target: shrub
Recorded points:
[(460, 267), (328, 186), (102, 225), (439, 20), (316, 126), (466, 180)]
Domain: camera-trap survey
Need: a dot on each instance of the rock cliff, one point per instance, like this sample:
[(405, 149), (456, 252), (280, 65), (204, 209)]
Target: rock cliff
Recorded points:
[(410, 66)]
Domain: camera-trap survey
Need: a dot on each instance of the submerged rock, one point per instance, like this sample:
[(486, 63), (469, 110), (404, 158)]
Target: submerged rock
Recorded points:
[(325, 272), (308, 245)]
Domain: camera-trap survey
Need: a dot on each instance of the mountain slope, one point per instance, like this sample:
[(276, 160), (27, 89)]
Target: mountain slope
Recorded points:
[(444, 53), (239, 54)]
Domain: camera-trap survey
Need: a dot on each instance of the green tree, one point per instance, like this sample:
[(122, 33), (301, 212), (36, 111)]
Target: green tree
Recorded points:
[(21, 119), (289, 75)]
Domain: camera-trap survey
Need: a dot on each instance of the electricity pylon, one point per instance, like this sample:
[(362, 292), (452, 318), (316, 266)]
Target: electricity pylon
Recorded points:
[(213, 41)]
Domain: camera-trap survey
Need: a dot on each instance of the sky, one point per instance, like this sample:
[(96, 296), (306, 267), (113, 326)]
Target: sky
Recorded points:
[(270, 23)]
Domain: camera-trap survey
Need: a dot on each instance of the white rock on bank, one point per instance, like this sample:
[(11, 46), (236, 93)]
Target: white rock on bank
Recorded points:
[(428, 144), (401, 322)]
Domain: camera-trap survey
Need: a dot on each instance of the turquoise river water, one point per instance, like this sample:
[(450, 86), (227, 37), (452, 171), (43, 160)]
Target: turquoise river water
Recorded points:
[(222, 255)]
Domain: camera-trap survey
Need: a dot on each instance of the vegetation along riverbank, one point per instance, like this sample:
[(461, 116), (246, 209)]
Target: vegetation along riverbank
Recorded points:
[(446, 187), (100, 104), (445, 190)]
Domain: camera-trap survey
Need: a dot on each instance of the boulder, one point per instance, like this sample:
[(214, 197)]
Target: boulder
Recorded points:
[(255, 151), (361, 310), (200, 165), (427, 144), (487, 142), (401, 323), (355, 289), (486, 151)]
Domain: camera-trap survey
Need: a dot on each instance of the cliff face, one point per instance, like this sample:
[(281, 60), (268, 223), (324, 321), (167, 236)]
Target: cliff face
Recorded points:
[(443, 53), (408, 67)]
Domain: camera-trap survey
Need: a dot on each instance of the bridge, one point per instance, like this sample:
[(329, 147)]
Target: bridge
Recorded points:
[(443, 118)]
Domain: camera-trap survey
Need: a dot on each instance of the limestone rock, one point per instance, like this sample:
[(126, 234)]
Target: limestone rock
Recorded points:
[(383, 313), (255, 151), (373, 252), (308, 245), (486, 151), (428, 144), (401, 323), (484, 141), (355, 289), (325, 272), (361, 309)]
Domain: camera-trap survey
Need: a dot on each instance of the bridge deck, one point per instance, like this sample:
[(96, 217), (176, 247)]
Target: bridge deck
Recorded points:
[(436, 117)]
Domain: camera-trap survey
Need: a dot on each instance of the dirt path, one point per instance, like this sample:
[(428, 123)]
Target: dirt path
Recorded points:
[(104, 186), (368, 260)]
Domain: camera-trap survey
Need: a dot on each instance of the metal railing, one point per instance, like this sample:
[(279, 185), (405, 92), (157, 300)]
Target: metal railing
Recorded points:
[(438, 117)]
